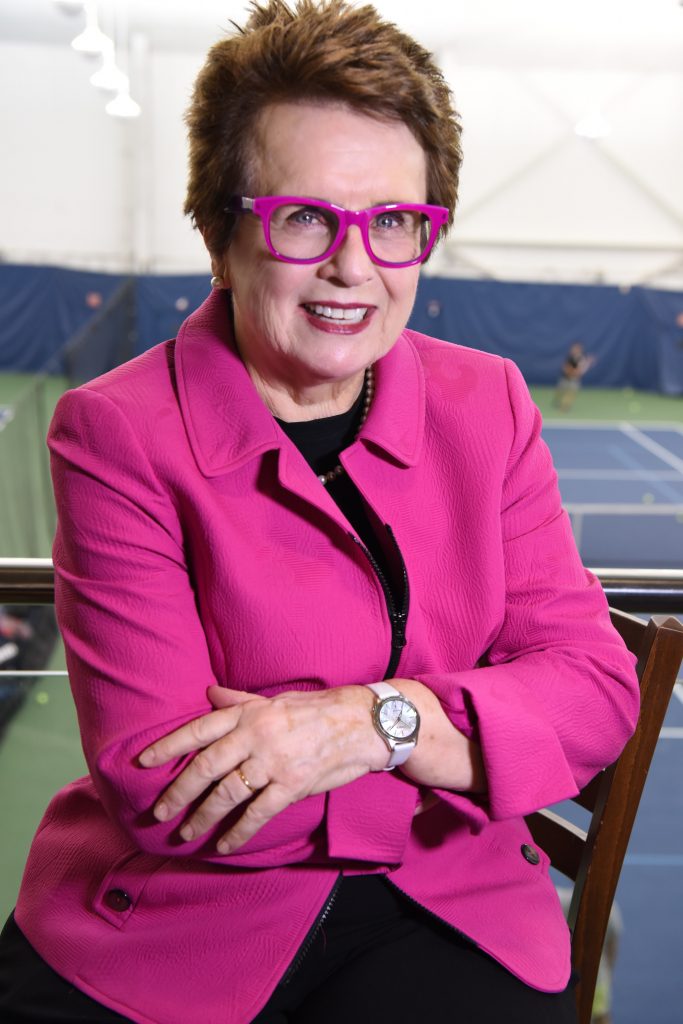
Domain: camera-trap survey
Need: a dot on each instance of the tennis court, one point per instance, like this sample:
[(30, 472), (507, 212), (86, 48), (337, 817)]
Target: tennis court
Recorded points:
[(649, 983), (622, 484)]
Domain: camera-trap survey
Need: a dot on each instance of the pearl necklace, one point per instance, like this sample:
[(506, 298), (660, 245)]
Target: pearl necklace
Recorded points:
[(369, 389)]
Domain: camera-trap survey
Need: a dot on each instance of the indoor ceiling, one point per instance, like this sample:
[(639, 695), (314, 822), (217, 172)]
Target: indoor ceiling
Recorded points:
[(639, 34)]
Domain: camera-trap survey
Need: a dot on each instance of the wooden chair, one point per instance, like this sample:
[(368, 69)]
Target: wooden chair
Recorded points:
[(593, 859)]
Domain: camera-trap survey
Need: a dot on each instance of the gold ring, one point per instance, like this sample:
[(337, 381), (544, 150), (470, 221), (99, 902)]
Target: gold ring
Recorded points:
[(245, 780)]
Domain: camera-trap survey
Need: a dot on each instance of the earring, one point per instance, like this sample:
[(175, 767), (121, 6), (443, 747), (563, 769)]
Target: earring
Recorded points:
[(217, 282)]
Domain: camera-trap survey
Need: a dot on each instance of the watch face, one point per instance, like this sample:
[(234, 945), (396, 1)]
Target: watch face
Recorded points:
[(398, 718)]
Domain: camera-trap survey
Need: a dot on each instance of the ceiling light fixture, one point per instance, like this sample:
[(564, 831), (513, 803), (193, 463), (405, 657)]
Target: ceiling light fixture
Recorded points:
[(70, 6), (123, 105), (594, 125), (91, 41), (109, 78)]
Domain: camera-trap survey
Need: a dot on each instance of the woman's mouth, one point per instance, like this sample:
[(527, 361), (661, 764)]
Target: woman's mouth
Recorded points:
[(345, 314)]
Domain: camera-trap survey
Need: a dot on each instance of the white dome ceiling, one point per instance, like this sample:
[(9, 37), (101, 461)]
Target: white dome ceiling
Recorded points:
[(566, 33)]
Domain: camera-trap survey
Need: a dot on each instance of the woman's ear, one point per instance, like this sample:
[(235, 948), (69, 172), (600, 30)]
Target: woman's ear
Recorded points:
[(219, 263), (219, 277)]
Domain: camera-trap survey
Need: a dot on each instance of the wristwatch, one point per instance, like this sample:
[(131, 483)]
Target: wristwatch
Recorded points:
[(397, 720)]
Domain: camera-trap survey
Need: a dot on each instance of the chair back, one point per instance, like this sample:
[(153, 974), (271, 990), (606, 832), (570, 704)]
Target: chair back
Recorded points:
[(593, 859)]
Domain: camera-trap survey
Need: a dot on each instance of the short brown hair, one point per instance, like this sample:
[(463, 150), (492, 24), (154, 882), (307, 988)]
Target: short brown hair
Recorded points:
[(324, 51)]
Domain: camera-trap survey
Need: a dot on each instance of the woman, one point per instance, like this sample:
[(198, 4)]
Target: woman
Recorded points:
[(298, 547)]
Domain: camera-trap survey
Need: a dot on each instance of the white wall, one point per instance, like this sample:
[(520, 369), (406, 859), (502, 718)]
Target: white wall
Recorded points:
[(80, 188), (63, 169), (539, 201)]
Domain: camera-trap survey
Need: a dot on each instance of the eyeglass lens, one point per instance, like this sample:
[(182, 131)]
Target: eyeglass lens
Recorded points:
[(308, 232)]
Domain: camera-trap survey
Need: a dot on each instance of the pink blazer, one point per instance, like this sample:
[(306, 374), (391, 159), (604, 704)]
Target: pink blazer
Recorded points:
[(195, 545)]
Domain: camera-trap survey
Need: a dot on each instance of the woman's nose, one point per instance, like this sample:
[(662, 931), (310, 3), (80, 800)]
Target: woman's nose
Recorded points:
[(351, 263)]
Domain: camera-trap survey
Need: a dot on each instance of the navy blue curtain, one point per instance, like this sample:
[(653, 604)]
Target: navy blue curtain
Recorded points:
[(535, 324), (42, 308), (633, 333), (163, 303), (661, 310)]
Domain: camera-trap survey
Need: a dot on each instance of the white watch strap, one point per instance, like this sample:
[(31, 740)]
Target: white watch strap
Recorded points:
[(400, 753), (384, 690)]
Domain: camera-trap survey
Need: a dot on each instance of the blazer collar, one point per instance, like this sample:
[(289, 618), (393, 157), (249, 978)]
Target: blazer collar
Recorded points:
[(226, 421)]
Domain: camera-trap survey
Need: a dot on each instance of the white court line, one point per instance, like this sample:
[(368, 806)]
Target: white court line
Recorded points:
[(652, 446), (678, 691), (610, 425), (576, 508), (671, 732), (618, 474), (654, 860)]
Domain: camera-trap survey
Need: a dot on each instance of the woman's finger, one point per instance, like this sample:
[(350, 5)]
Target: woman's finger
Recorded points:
[(207, 767), (224, 697), (238, 786), (194, 735), (273, 799)]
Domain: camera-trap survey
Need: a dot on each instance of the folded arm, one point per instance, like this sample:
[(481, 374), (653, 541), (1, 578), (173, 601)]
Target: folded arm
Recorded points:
[(140, 668), (136, 650)]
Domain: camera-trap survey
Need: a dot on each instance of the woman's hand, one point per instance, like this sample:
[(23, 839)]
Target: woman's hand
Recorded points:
[(268, 751)]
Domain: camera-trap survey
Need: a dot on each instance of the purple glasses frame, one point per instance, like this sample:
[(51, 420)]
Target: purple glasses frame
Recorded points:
[(263, 207)]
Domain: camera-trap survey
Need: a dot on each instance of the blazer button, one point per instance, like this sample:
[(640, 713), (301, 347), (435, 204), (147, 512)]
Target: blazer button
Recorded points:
[(530, 855), (117, 899)]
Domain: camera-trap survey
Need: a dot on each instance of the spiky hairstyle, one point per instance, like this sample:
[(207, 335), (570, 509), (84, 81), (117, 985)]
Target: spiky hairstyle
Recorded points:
[(327, 52)]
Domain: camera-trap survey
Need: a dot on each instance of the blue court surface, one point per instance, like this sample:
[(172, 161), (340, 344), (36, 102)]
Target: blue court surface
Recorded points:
[(622, 485), (648, 982)]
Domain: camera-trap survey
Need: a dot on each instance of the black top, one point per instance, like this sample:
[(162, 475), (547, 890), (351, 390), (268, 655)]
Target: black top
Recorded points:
[(320, 442)]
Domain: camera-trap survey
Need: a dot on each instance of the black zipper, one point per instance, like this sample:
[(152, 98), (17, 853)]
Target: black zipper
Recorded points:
[(426, 910), (305, 947), (314, 931), (398, 617)]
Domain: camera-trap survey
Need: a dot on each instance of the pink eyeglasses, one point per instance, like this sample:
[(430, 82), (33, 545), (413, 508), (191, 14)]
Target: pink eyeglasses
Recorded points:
[(300, 230)]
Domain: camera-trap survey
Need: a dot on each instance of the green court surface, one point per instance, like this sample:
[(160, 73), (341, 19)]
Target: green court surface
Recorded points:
[(13, 386), (613, 406), (27, 509), (39, 753), (40, 750)]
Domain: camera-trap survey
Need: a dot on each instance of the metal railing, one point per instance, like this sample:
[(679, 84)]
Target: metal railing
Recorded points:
[(656, 591), (31, 581), (27, 581)]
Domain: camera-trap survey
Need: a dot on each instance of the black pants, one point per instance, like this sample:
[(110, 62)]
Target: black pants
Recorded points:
[(379, 959)]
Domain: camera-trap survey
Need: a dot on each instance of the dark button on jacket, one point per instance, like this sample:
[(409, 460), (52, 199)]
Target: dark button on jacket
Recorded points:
[(117, 899), (530, 854)]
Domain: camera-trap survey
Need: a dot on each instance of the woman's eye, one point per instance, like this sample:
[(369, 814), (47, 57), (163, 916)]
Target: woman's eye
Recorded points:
[(394, 220), (389, 220), (306, 217)]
